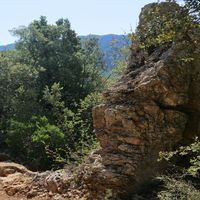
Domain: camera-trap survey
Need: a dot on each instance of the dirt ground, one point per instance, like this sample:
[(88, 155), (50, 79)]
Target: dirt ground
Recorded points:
[(14, 179), (4, 196), (18, 183)]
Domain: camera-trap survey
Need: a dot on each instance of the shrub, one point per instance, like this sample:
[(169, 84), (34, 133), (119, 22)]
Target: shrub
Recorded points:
[(47, 134), (78, 127), (178, 189), (185, 184), (19, 137), (42, 145), (192, 151), (33, 142)]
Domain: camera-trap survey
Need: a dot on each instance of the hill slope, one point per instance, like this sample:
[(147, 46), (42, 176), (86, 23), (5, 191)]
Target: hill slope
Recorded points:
[(7, 47), (108, 43)]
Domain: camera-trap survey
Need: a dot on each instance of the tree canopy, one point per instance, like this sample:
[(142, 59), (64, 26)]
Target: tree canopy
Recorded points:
[(48, 85)]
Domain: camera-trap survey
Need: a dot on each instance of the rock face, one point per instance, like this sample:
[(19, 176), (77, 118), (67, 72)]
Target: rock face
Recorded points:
[(153, 108)]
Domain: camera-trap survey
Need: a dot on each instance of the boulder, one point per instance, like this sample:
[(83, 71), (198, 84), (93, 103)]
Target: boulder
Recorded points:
[(154, 107)]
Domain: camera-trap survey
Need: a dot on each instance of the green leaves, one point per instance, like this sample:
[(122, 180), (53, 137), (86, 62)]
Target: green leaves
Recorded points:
[(49, 135), (192, 150), (167, 22), (45, 101), (53, 47), (159, 24)]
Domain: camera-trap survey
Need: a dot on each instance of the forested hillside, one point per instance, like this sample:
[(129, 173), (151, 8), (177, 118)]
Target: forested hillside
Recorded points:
[(109, 45), (7, 47)]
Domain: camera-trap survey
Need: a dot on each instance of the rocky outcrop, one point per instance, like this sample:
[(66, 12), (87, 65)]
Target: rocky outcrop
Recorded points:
[(154, 107), (18, 181)]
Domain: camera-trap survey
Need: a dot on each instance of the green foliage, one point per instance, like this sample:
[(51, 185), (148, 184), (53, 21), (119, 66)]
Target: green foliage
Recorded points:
[(84, 113), (117, 72), (94, 65), (31, 142), (121, 56), (183, 183), (42, 145), (193, 151), (49, 135), (53, 104), (93, 53), (178, 189), (19, 137), (166, 23), (57, 49), (159, 24), (53, 77), (78, 127), (18, 88)]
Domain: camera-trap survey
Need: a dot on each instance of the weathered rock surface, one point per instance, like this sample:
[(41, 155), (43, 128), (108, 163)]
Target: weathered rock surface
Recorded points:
[(17, 182), (154, 107)]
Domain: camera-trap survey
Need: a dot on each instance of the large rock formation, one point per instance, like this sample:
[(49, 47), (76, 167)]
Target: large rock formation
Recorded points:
[(153, 108)]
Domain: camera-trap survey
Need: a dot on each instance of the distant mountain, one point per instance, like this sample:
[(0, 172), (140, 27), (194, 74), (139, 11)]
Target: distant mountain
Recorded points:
[(105, 42), (7, 47), (109, 44)]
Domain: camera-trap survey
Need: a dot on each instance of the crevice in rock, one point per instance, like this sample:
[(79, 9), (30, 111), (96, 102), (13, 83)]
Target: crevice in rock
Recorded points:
[(180, 108)]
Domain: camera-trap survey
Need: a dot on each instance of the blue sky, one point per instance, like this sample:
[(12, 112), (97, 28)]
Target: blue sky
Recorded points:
[(86, 16)]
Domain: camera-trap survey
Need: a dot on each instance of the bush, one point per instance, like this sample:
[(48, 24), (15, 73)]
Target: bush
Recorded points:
[(185, 184), (192, 151), (178, 189), (47, 134), (78, 127), (32, 142), (19, 137), (42, 145)]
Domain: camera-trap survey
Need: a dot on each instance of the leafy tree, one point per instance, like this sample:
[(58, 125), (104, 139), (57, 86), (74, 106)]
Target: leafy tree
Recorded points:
[(48, 89), (121, 57), (18, 96), (53, 103), (94, 65), (57, 49)]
